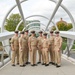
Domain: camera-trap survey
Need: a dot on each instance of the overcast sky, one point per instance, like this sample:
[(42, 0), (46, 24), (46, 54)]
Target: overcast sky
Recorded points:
[(38, 7)]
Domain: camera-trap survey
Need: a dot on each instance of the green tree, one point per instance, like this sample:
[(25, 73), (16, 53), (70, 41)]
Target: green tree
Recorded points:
[(12, 22), (69, 26), (63, 27)]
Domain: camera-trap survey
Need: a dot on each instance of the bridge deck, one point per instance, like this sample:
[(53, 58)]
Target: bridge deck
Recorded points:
[(66, 69)]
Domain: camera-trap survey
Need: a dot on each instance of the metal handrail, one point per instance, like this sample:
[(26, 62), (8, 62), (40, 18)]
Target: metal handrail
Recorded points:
[(3, 61), (67, 49)]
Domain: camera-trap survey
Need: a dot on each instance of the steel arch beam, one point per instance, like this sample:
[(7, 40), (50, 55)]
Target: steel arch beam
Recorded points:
[(54, 12), (34, 16), (37, 27), (42, 17), (68, 12), (71, 18), (32, 23), (2, 27), (37, 15), (20, 10), (34, 27)]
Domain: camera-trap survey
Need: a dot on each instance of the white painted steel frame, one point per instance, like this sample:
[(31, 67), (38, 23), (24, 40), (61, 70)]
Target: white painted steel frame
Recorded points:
[(54, 12), (67, 11), (32, 23), (34, 16), (20, 10), (2, 27), (4, 20)]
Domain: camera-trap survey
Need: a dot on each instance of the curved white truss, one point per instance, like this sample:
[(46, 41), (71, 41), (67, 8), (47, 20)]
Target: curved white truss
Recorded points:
[(54, 12), (33, 23), (34, 16), (67, 11), (2, 27), (72, 20), (20, 10), (35, 28)]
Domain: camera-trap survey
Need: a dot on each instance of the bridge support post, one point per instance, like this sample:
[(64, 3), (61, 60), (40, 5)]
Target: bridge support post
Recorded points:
[(69, 45), (2, 57)]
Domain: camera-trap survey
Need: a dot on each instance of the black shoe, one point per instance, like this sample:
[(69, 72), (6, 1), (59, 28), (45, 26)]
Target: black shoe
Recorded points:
[(21, 65), (32, 65), (46, 64), (38, 62), (53, 63), (50, 62), (35, 64), (24, 65), (17, 63), (43, 63), (58, 66), (27, 62), (13, 64)]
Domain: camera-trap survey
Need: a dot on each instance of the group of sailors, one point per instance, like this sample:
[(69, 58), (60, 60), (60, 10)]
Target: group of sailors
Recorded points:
[(25, 47)]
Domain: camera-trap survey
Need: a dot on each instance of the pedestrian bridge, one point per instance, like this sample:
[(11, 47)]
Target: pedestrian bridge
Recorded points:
[(68, 63), (67, 68)]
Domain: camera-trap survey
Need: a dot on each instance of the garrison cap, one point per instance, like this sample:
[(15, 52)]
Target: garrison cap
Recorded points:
[(51, 31), (33, 31), (45, 34), (40, 32), (22, 32), (56, 32), (16, 32), (26, 30)]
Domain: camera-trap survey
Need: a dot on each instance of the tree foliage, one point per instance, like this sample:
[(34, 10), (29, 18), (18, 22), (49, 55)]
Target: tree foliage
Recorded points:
[(63, 27), (69, 26), (12, 22)]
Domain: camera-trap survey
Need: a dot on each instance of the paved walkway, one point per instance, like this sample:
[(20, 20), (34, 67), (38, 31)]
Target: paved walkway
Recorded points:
[(66, 69)]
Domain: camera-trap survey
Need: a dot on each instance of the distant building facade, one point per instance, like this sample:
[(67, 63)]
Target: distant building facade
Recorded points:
[(34, 26)]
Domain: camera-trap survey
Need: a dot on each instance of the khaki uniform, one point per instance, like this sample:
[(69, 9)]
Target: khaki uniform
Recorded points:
[(51, 49), (15, 52), (27, 48), (33, 46), (39, 47), (45, 54), (22, 50), (57, 46)]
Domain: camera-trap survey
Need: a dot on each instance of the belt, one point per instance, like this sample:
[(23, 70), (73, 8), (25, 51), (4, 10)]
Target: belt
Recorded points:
[(33, 45), (16, 45), (45, 47)]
